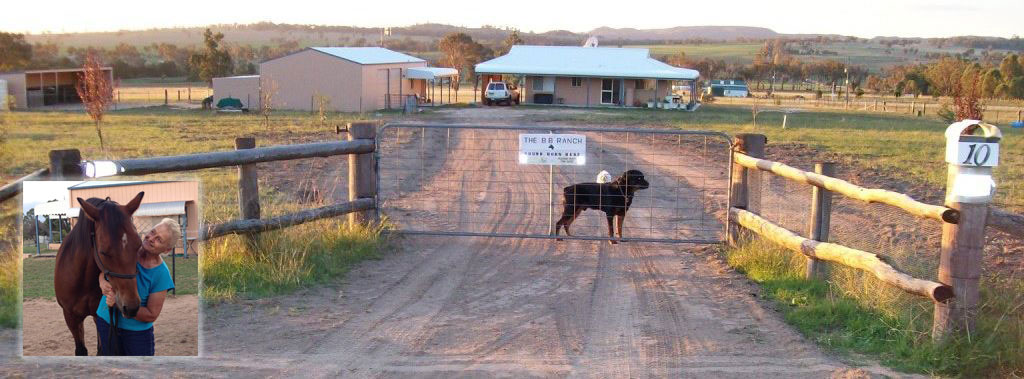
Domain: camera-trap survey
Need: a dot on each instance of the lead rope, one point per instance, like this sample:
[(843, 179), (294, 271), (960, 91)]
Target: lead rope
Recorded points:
[(114, 347)]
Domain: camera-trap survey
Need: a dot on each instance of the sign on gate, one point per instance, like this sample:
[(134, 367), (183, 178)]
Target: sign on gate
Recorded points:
[(553, 149)]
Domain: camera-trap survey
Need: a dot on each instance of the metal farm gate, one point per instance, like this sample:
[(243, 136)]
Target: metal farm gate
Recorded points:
[(473, 180)]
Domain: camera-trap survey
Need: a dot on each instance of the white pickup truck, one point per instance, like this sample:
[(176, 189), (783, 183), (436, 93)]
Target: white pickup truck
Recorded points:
[(500, 92)]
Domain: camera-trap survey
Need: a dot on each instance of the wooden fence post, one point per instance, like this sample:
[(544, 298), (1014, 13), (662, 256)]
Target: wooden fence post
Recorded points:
[(818, 225), (248, 189), (745, 184), (362, 172), (65, 164), (961, 251)]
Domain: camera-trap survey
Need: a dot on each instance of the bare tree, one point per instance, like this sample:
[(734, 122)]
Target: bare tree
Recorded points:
[(96, 93), (967, 96), (268, 88)]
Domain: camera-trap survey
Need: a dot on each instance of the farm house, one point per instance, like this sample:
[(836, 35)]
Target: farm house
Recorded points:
[(591, 76), (245, 88), (37, 88), (349, 79)]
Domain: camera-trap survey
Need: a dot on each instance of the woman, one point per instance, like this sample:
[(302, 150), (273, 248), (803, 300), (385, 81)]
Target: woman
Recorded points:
[(154, 279)]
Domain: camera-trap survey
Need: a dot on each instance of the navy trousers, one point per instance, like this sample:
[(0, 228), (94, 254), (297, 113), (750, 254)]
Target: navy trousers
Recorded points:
[(134, 342)]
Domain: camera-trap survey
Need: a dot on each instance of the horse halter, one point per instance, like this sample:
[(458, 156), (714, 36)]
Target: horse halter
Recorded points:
[(99, 262)]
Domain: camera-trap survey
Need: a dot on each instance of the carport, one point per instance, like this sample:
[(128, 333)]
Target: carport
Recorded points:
[(37, 88), (428, 84)]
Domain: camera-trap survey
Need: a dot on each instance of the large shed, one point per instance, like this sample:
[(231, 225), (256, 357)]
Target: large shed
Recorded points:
[(351, 79), (37, 88), (588, 76)]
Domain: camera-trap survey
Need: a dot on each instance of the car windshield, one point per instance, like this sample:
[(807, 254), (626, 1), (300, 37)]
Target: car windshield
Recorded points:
[(497, 87)]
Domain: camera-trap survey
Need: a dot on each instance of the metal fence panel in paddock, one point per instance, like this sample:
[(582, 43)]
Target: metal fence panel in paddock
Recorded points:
[(467, 180)]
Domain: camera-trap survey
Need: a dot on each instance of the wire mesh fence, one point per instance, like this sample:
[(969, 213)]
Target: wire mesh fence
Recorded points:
[(468, 180)]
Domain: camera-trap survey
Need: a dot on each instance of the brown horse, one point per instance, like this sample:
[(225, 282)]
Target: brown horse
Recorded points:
[(104, 240)]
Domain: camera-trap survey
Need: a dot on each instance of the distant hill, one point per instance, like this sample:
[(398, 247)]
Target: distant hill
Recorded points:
[(715, 33)]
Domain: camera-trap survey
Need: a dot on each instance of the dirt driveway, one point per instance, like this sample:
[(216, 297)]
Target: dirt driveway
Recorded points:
[(489, 307)]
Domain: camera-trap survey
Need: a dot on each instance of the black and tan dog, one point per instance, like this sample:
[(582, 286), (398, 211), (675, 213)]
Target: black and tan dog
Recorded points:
[(613, 198)]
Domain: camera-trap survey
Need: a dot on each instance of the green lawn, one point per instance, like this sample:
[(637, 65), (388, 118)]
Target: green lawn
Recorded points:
[(38, 276), (907, 146)]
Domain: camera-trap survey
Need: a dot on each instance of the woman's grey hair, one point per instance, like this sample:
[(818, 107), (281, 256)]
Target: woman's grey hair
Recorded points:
[(173, 227)]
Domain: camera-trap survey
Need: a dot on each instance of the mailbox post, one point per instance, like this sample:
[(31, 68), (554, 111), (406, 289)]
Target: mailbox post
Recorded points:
[(969, 189)]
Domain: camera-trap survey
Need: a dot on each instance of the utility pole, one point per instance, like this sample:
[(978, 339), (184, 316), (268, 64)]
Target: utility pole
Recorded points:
[(846, 70), (384, 32)]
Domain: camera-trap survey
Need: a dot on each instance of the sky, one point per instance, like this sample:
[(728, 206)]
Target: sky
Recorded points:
[(865, 18), (35, 193)]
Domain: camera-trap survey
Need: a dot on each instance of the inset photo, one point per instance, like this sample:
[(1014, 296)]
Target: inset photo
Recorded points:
[(110, 268)]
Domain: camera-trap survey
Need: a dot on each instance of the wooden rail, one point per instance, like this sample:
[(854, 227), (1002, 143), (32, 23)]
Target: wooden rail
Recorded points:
[(12, 189), (870, 195), (251, 226), (858, 259), (175, 163)]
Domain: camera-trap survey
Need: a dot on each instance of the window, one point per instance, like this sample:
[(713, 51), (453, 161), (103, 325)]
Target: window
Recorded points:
[(538, 83), (577, 82), (640, 84)]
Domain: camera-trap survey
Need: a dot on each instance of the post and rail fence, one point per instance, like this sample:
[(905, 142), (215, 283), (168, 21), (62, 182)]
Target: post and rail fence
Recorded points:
[(360, 147), (956, 293)]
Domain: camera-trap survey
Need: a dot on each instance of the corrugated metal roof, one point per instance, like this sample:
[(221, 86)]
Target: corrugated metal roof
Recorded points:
[(103, 184), (166, 208), (606, 62), (430, 73), (368, 55)]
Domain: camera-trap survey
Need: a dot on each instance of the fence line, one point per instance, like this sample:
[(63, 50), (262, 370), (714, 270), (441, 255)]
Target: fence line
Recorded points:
[(961, 234), (846, 256), (68, 165)]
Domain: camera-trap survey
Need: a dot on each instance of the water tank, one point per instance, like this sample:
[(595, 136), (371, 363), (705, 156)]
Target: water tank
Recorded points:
[(4, 102)]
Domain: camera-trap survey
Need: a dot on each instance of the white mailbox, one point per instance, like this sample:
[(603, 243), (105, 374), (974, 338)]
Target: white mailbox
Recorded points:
[(972, 158)]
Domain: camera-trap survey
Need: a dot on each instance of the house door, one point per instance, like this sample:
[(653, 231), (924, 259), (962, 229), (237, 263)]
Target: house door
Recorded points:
[(611, 90)]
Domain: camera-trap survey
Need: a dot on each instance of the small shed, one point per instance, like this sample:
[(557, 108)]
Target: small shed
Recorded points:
[(245, 88)]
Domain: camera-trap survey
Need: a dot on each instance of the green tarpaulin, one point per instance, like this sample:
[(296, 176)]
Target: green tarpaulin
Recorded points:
[(229, 102)]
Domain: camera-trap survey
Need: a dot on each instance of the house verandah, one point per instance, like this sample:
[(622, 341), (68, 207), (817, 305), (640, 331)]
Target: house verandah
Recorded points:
[(591, 77)]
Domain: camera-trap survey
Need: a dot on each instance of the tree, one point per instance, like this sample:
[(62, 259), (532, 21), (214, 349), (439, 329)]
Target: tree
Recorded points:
[(512, 40), (1011, 67), (945, 75), (213, 61), (990, 82), (95, 90), (459, 51), (967, 96), (15, 53)]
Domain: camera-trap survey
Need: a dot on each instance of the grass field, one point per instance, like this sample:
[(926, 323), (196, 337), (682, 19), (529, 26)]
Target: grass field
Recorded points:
[(38, 274), (845, 315)]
